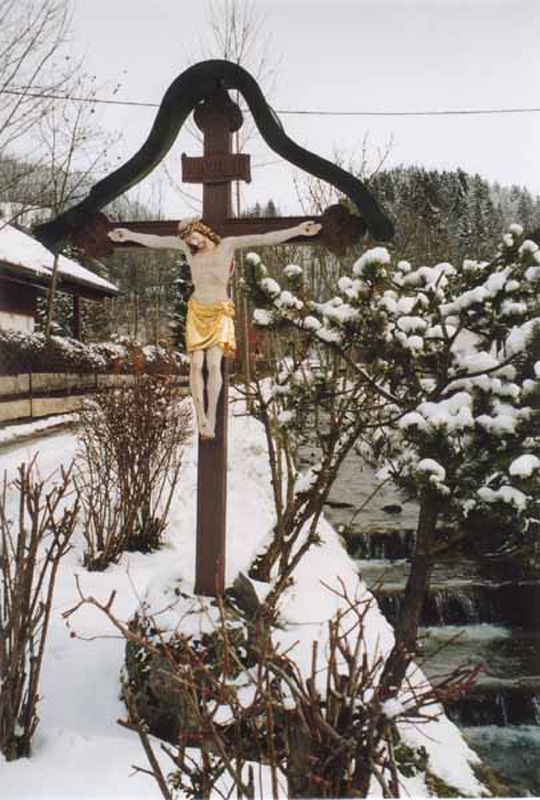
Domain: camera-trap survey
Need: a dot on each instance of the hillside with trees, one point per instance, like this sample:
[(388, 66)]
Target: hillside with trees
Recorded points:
[(451, 215)]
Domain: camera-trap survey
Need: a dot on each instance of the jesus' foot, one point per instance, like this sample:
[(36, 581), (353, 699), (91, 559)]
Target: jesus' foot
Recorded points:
[(206, 431)]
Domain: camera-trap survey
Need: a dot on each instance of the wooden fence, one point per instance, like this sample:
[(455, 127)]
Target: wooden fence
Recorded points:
[(40, 394)]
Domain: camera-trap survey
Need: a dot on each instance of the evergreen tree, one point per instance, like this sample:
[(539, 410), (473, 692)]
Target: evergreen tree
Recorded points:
[(525, 209), (481, 219), (183, 289), (536, 214), (271, 209), (450, 215), (62, 324)]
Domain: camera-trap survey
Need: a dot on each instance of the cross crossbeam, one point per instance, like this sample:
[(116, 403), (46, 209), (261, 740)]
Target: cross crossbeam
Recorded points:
[(234, 226), (340, 228)]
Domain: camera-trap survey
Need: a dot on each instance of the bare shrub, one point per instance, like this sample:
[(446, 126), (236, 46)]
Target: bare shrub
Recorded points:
[(128, 465), (29, 561), (327, 730)]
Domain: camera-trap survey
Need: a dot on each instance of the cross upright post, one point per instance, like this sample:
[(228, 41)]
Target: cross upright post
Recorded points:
[(217, 117)]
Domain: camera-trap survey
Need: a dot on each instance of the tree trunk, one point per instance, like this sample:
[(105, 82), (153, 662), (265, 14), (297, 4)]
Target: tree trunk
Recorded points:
[(261, 568), (52, 296), (299, 762), (413, 600)]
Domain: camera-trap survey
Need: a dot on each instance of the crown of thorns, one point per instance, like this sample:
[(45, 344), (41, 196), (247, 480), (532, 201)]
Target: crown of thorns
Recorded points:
[(187, 227)]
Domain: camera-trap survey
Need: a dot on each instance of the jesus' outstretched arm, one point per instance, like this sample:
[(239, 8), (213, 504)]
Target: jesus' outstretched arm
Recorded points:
[(148, 239), (275, 237)]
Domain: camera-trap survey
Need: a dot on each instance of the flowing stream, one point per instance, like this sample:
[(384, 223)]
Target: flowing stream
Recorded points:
[(471, 616)]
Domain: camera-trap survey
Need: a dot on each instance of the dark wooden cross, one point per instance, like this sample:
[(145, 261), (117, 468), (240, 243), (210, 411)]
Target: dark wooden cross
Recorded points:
[(218, 117)]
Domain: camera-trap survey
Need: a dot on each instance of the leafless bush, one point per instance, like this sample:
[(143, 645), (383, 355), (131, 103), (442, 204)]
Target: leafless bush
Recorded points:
[(29, 561), (248, 706), (128, 465), (312, 401)]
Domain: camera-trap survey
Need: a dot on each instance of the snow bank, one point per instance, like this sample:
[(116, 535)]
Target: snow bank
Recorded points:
[(15, 433), (79, 750)]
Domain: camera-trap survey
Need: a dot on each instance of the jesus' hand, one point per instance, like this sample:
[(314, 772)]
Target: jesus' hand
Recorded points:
[(309, 228), (119, 234)]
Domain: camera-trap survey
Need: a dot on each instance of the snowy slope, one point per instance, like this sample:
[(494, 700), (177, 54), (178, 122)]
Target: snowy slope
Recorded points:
[(80, 751)]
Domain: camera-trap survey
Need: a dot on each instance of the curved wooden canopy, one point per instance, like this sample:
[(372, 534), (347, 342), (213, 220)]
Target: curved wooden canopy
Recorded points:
[(188, 90)]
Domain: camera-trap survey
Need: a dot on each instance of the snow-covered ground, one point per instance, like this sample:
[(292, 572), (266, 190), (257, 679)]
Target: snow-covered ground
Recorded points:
[(79, 750), (11, 434)]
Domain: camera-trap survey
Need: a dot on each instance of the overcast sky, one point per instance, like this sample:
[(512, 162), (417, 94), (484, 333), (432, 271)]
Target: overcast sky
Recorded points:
[(339, 55)]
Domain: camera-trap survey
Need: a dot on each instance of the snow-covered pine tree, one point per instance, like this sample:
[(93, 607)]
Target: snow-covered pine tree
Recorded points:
[(62, 322), (183, 289), (449, 215), (450, 358), (525, 209)]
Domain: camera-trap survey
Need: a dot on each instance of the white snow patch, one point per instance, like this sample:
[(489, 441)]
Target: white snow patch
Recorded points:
[(328, 335), (432, 467), (377, 256), (14, 433), (262, 317), (293, 271), (506, 494), (285, 417), (524, 466), (311, 323), (270, 286)]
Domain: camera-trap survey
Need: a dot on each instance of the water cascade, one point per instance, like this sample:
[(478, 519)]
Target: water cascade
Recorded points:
[(474, 614)]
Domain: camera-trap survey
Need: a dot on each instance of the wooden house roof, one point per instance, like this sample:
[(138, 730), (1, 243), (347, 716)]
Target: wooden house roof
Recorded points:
[(24, 259)]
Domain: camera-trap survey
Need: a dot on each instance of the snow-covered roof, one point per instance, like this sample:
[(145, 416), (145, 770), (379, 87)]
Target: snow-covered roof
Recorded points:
[(19, 249)]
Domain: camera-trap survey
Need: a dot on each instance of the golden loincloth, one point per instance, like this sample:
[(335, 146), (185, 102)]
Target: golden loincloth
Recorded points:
[(208, 326)]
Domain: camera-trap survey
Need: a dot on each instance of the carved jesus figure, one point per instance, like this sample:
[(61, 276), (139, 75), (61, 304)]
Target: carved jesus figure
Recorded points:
[(210, 318)]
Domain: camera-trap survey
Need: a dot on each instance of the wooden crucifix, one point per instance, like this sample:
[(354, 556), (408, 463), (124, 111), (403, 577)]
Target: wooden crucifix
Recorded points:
[(210, 262), (209, 246)]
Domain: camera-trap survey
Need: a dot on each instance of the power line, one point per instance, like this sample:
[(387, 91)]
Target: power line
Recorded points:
[(23, 92), (299, 112), (447, 113)]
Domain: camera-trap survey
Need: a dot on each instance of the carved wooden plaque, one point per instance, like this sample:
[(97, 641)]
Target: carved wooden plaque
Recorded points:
[(216, 168)]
